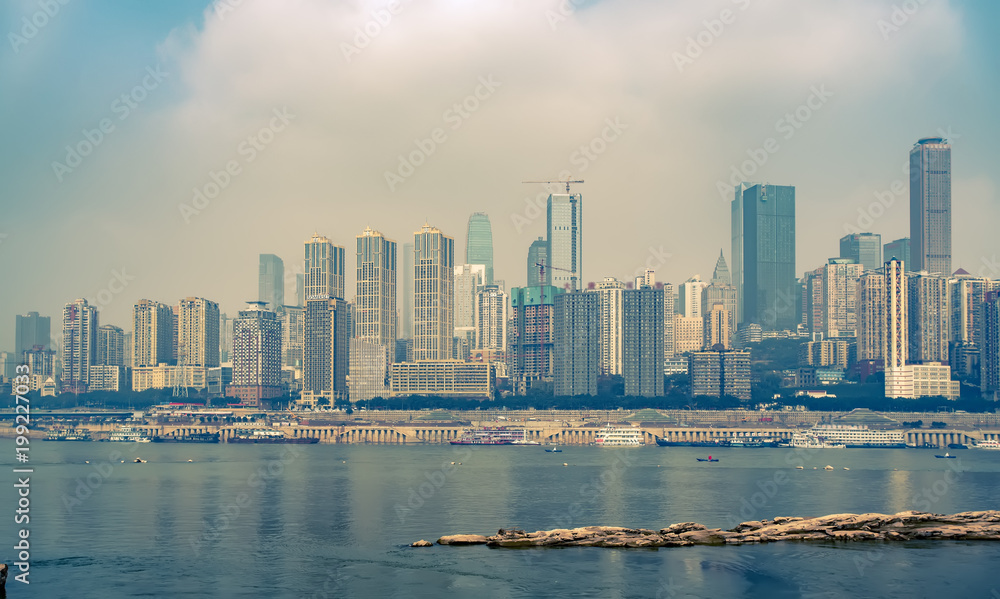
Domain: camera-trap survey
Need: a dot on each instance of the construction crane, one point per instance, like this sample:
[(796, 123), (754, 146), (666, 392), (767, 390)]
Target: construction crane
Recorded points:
[(566, 181)]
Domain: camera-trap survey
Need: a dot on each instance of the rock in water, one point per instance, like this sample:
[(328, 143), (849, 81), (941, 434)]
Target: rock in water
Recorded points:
[(422, 543), (904, 526)]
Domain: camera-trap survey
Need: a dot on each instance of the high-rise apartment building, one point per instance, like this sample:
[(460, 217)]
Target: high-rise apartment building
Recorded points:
[(198, 332), (375, 303), (31, 330), (293, 319), (690, 297), (989, 367), (324, 268), (763, 234), (538, 253), (79, 345), (491, 321), (718, 332), (271, 281), (469, 280), (369, 369), (864, 248), (871, 319), (531, 333), (577, 342), (256, 355), (225, 339), (610, 293), (110, 346), (433, 294), (669, 313), (564, 213), (479, 243), (930, 206), (325, 350), (642, 341), (724, 373), (899, 249), (928, 315), (898, 381), (406, 311), (153, 333)]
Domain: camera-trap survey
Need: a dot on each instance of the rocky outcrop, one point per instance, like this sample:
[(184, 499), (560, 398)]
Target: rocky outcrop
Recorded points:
[(903, 526), (422, 543)]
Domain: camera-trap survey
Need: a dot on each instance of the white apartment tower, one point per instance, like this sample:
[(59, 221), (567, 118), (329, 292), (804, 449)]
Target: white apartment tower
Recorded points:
[(433, 295)]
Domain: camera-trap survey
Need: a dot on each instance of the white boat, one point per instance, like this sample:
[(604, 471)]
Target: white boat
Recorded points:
[(988, 444), (807, 440), (855, 436), (619, 436), (129, 434)]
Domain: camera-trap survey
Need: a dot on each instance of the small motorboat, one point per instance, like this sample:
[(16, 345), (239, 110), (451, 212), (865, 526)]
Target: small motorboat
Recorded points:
[(798, 467), (139, 461), (554, 449), (708, 459), (946, 456)]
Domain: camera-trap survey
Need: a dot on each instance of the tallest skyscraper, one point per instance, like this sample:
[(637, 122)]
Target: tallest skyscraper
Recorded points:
[(565, 241), (930, 206)]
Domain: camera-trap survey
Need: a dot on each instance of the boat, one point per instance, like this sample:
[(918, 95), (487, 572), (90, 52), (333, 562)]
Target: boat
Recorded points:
[(129, 434), (267, 435), (554, 449), (139, 461), (860, 436), (494, 435), (946, 456), (713, 443), (69, 434), (808, 441), (708, 459), (619, 436), (191, 438), (957, 446), (987, 444)]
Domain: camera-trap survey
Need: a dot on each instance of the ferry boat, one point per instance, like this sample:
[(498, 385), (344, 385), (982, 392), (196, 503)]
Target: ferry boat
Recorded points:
[(807, 440), (713, 443), (619, 436), (69, 434), (854, 436), (129, 434), (989, 444), (267, 435), (494, 435), (192, 438)]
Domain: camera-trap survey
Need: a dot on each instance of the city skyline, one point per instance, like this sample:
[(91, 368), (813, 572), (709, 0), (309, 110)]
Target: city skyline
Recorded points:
[(645, 159)]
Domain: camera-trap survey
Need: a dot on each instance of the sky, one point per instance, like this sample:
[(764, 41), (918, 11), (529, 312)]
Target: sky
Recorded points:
[(155, 149)]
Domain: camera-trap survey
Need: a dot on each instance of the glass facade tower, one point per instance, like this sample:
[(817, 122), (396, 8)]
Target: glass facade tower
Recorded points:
[(479, 243), (930, 206)]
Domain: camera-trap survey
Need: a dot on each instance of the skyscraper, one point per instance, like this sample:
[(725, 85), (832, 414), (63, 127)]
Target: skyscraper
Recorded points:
[(989, 367), (292, 335), (325, 348), (669, 315), (690, 296), (564, 214), (717, 329), (79, 345), (610, 293), (928, 317), (720, 373), (642, 341), (271, 282), (898, 381), (491, 321), (375, 303), (406, 319), (863, 248), (763, 233), (225, 339), (152, 333), (529, 350), (433, 295), (900, 249), (369, 369), (479, 243), (256, 355), (871, 320), (469, 280), (198, 332), (576, 344), (31, 330), (721, 290), (110, 346), (538, 253), (720, 274), (930, 206), (300, 290), (324, 266)]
